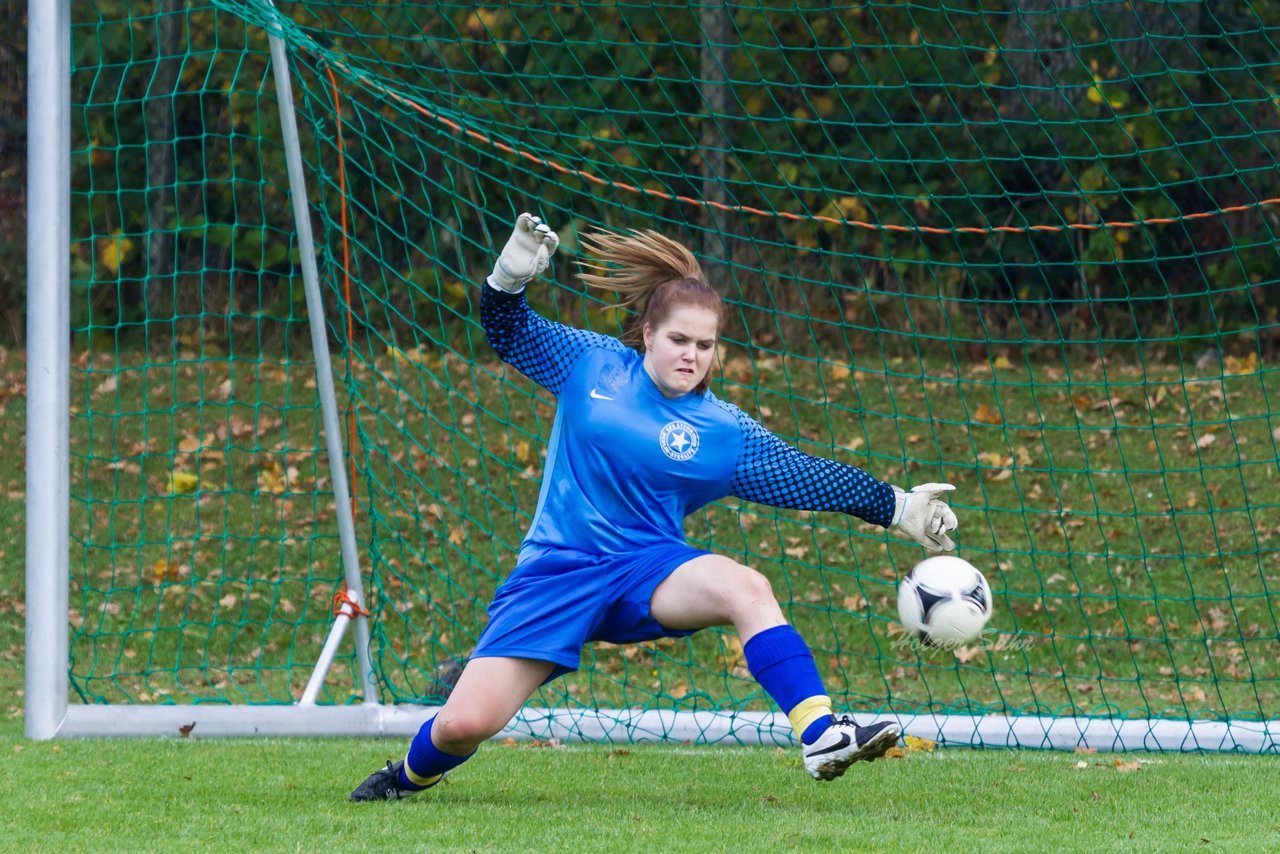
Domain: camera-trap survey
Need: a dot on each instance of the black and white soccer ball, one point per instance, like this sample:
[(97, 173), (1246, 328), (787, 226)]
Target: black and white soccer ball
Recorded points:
[(944, 601)]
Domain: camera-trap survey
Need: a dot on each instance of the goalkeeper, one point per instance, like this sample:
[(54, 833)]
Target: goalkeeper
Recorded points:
[(638, 443)]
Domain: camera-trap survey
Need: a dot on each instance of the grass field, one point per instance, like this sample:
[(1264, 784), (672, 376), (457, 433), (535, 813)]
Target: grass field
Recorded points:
[(222, 590), (288, 795)]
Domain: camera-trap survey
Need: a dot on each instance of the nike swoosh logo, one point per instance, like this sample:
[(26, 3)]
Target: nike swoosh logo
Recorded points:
[(595, 395), (844, 742)]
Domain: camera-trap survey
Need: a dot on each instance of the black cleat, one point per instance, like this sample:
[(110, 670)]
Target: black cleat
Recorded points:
[(384, 785)]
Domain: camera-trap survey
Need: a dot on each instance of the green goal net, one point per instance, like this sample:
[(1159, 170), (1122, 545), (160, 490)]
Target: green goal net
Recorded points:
[(1026, 248)]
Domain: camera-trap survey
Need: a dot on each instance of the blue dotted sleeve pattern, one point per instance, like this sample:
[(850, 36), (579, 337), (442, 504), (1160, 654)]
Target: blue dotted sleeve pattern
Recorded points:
[(771, 472), (541, 349)]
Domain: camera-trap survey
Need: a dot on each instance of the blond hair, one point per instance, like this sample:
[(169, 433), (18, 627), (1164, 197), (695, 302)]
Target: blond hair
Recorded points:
[(634, 265), (650, 273)]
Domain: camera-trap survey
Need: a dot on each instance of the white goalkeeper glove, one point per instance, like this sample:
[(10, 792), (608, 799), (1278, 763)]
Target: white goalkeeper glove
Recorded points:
[(527, 254), (923, 516)]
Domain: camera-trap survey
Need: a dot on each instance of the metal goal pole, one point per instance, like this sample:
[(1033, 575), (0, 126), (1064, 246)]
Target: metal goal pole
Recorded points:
[(48, 362), (324, 382)]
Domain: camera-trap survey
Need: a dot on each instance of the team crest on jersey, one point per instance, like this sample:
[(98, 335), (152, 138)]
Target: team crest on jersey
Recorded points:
[(679, 440)]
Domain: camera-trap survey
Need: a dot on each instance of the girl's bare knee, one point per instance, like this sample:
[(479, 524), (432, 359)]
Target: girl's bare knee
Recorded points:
[(746, 591), (755, 585), (461, 732)]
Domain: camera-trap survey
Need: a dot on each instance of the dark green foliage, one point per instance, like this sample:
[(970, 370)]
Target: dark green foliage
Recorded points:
[(13, 170), (1020, 116)]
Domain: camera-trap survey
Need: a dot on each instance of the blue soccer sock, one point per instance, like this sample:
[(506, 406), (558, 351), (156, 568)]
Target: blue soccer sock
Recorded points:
[(781, 662), (425, 763)]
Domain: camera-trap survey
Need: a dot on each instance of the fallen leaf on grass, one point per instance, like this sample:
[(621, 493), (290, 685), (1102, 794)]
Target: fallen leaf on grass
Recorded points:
[(918, 745), (547, 742), (182, 483), (986, 415), (166, 570), (405, 358), (911, 744), (1236, 365), (272, 478)]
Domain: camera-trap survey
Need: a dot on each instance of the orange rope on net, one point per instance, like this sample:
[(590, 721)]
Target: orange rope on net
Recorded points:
[(346, 280), (345, 605), (786, 215)]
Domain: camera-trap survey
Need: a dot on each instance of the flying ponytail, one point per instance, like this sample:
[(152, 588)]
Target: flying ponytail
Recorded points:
[(651, 273)]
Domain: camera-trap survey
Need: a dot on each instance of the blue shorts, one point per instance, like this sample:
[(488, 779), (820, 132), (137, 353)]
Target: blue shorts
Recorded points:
[(553, 604)]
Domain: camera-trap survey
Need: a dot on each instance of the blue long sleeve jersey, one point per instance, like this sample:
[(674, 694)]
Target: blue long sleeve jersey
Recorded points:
[(625, 464)]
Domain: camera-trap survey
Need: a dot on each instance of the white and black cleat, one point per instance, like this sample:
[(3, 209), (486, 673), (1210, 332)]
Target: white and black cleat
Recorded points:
[(845, 743)]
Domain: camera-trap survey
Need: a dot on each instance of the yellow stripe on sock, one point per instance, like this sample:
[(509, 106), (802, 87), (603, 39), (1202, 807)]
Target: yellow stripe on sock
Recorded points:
[(807, 711), (415, 779)]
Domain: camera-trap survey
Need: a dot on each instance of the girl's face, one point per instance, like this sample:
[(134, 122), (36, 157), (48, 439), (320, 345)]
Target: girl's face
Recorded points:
[(678, 352)]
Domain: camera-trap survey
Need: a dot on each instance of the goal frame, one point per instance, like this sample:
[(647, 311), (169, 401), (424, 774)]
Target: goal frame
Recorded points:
[(49, 714)]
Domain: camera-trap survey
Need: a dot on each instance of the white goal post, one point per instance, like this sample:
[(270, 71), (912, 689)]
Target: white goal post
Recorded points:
[(48, 712)]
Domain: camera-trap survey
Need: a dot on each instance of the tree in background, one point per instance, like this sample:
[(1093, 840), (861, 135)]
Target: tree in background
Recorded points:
[(13, 170)]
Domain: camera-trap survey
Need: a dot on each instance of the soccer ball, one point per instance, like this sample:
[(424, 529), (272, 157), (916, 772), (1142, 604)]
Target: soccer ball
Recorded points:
[(944, 601)]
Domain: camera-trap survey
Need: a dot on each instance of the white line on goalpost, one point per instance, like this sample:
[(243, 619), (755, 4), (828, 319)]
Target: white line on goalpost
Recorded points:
[(628, 726)]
